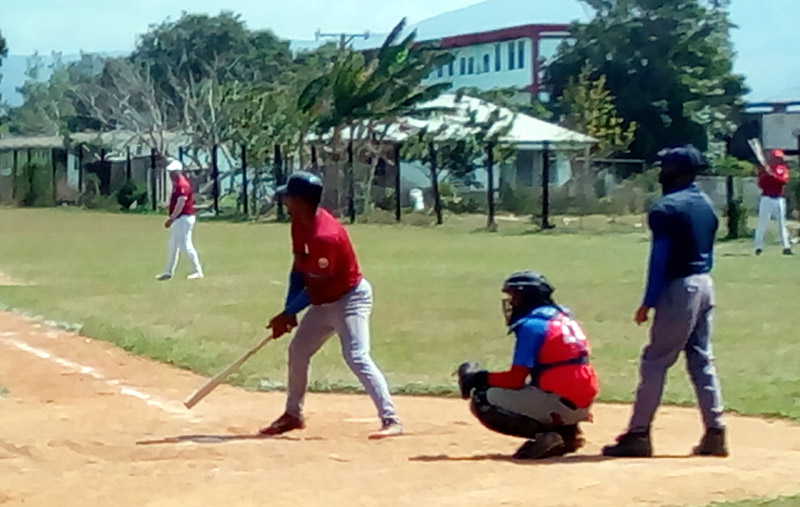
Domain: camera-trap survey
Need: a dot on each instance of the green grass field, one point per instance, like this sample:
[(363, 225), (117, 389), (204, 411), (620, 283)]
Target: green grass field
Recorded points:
[(778, 502), (437, 298)]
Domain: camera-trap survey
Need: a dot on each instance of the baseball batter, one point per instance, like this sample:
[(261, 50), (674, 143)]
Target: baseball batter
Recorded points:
[(325, 277), (772, 179), (552, 351), (180, 224), (681, 291)]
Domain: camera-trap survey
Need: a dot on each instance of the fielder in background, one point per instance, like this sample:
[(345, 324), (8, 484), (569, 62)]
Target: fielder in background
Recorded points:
[(772, 180), (680, 289), (325, 276), (181, 224), (552, 351)]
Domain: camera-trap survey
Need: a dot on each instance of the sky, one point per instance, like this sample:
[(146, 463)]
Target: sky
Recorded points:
[(766, 41)]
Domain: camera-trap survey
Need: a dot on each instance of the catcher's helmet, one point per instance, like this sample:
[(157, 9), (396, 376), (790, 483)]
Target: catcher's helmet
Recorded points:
[(528, 290)]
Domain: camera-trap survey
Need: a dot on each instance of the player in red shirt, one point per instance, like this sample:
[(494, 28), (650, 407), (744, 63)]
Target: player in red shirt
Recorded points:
[(552, 351), (326, 277), (772, 180), (181, 224)]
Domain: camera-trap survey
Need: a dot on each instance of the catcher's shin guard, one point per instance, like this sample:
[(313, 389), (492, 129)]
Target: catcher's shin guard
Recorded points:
[(502, 420)]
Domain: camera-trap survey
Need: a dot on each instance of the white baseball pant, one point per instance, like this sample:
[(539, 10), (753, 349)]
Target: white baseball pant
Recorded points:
[(180, 238), (769, 208)]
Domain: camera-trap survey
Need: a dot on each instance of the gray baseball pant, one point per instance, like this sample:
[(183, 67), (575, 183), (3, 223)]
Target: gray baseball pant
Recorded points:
[(683, 322), (349, 319)]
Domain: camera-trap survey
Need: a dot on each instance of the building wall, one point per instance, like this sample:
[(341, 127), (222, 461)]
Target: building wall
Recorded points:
[(479, 66)]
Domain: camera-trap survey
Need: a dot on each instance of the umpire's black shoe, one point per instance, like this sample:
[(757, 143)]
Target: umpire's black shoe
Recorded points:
[(630, 445), (712, 444)]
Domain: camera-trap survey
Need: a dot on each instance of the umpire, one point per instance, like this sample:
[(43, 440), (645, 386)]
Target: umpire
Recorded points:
[(680, 289)]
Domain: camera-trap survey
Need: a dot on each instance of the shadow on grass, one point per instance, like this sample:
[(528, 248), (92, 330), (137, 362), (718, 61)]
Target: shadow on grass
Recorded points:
[(549, 461), (220, 439)]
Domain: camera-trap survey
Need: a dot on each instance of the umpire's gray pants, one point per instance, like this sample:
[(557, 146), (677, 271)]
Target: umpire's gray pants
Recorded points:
[(349, 319), (683, 322)]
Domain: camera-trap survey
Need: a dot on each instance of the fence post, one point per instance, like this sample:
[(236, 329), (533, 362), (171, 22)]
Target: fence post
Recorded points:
[(398, 210), (180, 154), (437, 199), (14, 175), (55, 176), (314, 163), (546, 186), (490, 222), (215, 176), (30, 172), (351, 184), (128, 168), (277, 164), (733, 227), (153, 196), (245, 204), (80, 169)]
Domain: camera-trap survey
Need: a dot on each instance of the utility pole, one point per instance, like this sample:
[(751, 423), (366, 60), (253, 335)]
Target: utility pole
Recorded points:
[(345, 39)]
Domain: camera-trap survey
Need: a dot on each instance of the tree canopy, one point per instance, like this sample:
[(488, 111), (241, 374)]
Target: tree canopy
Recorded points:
[(667, 63)]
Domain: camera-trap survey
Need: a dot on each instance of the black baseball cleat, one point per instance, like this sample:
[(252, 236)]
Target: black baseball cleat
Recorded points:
[(759, 251), (545, 445), (787, 251), (630, 445), (712, 444), (572, 436), (283, 424)]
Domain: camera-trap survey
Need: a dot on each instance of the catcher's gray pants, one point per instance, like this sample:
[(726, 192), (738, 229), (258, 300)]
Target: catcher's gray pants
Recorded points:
[(683, 322), (349, 318), (524, 412)]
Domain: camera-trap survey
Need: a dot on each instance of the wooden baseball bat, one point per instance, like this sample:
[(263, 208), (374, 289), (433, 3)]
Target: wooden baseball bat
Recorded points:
[(212, 384), (758, 150)]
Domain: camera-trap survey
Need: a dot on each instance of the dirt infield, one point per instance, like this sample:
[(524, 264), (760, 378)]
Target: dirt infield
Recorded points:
[(76, 409)]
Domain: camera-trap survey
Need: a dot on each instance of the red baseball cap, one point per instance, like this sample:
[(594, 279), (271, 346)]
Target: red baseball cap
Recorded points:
[(778, 154)]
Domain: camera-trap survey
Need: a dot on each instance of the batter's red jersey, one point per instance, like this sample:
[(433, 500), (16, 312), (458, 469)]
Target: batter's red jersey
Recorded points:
[(772, 184), (324, 255), (182, 188)]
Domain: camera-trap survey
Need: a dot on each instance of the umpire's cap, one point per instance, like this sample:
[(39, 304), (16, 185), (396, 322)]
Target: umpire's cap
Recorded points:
[(528, 281), (686, 158), (304, 185)]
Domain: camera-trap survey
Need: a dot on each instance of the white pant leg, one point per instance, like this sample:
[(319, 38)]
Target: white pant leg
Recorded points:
[(784, 231), (173, 244), (765, 207), (185, 227)]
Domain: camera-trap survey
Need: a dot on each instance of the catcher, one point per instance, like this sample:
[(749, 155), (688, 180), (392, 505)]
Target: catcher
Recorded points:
[(552, 351)]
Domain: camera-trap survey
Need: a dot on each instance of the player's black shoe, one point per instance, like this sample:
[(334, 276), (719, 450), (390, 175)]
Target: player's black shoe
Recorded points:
[(545, 445), (283, 424), (630, 445), (712, 444)]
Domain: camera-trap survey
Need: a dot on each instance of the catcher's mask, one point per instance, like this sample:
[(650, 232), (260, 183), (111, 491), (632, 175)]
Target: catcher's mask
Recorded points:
[(526, 291)]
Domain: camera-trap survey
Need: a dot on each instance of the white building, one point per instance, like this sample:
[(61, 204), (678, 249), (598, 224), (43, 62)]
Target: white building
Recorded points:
[(506, 58)]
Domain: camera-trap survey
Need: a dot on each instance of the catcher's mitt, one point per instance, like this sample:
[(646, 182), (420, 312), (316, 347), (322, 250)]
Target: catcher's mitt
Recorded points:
[(471, 376)]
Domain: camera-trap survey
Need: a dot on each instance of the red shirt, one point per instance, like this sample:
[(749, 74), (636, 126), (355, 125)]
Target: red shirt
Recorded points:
[(324, 255), (772, 184), (182, 188), (565, 341)]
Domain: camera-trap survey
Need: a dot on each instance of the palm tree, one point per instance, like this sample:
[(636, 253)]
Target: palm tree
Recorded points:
[(365, 93)]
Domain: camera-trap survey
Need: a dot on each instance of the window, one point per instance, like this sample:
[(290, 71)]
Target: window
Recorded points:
[(486, 63), (521, 54), (450, 69), (471, 65), (512, 62), (440, 72), (498, 57), (463, 68)]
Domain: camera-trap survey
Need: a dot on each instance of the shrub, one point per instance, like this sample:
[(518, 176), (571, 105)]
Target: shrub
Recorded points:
[(34, 186), (131, 193)]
